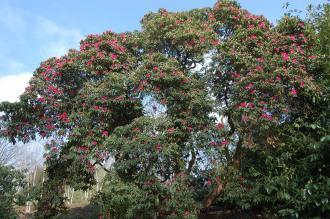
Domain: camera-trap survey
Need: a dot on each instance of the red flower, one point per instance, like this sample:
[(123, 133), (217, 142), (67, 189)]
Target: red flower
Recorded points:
[(41, 99), (83, 148), (100, 55), (105, 133), (53, 89), (137, 129), (250, 105), (243, 104), (186, 213), (259, 68), (275, 97), (170, 130), (302, 84), (224, 142), (293, 38), (220, 126), (260, 59), (64, 117), (301, 24), (158, 147), (262, 25), (148, 75), (215, 42), (140, 88), (293, 92), (113, 56), (49, 127), (285, 56), (253, 37), (213, 143), (119, 98), (266, 116), (236, 75), (249, 86)]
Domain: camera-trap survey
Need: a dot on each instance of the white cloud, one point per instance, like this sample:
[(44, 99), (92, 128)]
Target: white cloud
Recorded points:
[(56, 40), (11, 86)]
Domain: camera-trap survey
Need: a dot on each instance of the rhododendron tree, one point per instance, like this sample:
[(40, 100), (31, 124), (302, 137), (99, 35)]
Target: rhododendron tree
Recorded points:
[(237, 111)]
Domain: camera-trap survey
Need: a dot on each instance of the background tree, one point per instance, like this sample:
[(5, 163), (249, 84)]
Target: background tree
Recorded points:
[(7, 152)]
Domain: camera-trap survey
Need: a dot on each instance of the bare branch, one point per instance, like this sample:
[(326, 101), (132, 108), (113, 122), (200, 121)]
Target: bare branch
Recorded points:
[(7, 152)]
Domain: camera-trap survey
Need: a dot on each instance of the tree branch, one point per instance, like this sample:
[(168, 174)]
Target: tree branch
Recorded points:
[(210, 198), (102, 166), (191, 162)]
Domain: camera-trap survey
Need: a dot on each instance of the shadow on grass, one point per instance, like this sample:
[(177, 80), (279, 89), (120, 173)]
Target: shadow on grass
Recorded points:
[(85, 212)]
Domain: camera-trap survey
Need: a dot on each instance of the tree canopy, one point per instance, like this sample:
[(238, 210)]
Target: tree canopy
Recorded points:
[(212, 106)]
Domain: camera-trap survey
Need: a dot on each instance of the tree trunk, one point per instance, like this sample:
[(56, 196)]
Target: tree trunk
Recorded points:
[(71, 198), (28, 207), (210, 198), (97, 182), (86, 195)]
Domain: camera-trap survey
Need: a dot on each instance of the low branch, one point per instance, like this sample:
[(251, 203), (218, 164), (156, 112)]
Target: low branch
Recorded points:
[(102, 166)]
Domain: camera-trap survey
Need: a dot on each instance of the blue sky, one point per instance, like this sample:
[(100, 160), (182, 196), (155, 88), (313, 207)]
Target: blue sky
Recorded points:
[(32, 31)]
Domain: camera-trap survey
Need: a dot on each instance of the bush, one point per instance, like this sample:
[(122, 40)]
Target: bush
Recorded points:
[(11, 181)]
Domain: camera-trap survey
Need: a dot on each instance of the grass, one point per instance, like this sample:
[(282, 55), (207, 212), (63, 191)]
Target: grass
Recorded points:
[(82, 210)]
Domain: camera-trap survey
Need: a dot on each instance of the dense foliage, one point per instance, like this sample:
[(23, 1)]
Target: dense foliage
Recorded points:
[(212, 106), (10, 181)]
